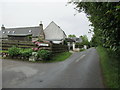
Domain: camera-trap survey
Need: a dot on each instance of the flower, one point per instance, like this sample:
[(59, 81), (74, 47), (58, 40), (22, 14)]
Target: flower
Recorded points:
[(34, 41), (34, 49)]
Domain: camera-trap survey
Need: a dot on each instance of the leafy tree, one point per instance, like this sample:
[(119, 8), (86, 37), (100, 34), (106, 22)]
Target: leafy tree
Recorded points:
[(85, 41), (105, 18), (71, 35)]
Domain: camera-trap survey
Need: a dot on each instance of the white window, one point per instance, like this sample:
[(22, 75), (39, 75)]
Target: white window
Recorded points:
[(30, 31), (13, 31), (3, 31), (8, 31)]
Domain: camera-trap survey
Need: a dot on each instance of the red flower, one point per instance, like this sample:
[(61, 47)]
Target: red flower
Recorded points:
[(34, 41), (35, 49)]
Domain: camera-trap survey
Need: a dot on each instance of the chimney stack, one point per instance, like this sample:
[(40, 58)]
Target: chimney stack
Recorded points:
[(2, 28), (41, 25)]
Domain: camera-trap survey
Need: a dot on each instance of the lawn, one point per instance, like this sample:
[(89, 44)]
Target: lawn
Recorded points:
[(109, 67)]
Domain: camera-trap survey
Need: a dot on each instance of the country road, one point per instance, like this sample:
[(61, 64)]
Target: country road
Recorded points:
[(80, 70)]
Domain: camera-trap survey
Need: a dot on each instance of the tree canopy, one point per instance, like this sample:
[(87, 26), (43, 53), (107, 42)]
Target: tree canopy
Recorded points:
[(84, 40), (105, 18), (71, 35)]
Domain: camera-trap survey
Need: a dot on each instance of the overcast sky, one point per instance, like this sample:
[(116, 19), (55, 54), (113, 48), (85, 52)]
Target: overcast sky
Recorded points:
[(31, 12)]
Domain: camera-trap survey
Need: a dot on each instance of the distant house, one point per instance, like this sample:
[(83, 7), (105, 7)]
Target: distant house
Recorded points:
[(72, 43), (51, 33), (54, 33)]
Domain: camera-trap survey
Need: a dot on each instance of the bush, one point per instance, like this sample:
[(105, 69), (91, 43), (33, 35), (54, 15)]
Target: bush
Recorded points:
[(44, 54), (81, 50), (14, 51), (26, 52)]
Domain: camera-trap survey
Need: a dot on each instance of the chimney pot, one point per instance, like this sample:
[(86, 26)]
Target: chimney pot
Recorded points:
[(3, 27)]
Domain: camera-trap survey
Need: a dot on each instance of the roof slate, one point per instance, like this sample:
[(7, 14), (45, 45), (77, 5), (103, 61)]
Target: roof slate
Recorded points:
[(35, 31)]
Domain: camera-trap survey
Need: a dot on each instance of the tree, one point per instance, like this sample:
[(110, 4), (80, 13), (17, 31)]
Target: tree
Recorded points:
[(71, 35), (85, 40), (105, 18)]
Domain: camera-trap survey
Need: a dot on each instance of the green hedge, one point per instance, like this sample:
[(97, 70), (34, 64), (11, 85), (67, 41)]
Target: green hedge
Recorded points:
[(44, 54), (14, 51)]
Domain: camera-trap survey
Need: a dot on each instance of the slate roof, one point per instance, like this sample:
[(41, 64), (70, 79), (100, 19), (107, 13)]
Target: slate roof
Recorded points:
[(69, 40), (19, 34), (35, 31), (79, 40)]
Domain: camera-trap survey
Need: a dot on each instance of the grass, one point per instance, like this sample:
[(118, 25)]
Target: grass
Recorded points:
[(109, 67), (82, 49), (59, 57), (3, 51)]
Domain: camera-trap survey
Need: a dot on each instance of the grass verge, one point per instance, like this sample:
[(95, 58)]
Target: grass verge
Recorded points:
[(59, 57), (3, 51), (82, 50), (109, 67)]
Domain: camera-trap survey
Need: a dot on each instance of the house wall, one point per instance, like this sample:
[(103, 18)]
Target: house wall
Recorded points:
[(52, 31)]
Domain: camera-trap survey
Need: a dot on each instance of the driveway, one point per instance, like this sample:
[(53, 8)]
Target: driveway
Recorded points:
[(80, 70)]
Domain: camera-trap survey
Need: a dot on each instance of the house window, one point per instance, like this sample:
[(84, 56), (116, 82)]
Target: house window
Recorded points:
[(13, 31), (8, 31), (30, 31), (3, 31)]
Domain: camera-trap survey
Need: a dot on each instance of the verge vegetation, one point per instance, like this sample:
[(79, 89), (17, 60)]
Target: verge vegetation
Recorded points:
[(109, 67), (105, 20), (43, 56), (60, 57)]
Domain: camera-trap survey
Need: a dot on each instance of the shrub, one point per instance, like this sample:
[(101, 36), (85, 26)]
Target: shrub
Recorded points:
[(13, 51), (26, 52), (81, 50), (44, 54)]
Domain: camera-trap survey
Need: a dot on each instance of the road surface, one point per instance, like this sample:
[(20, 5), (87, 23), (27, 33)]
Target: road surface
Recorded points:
[(80, 70)]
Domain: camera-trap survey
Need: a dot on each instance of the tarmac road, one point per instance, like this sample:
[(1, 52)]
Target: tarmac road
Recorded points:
[(80, 70)]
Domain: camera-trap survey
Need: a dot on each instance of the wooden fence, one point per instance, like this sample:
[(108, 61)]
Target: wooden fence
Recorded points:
[(58, 48), (55, 48), (21, 44)]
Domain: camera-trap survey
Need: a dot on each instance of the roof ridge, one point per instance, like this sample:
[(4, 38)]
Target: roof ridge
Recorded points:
[(21, 27)]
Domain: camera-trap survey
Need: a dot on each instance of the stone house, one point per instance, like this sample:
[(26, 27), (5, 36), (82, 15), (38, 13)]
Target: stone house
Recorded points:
[(51, 33), (36, 31)]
